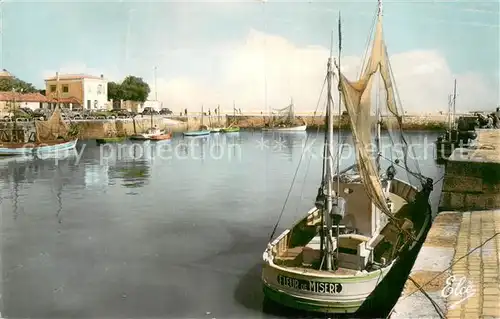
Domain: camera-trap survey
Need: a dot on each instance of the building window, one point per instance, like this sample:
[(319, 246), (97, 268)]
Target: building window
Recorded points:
[(52, 88), (65, 88), (88, 104), (95, 104), (99, 89)]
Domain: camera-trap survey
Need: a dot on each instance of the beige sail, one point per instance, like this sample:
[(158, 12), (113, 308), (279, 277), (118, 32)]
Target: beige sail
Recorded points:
[(357, 100), (51, 129)]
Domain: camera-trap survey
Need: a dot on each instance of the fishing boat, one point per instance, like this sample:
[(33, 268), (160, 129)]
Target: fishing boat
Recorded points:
[(153, 130), (285, 121), (216, 129), (49, 136), (7, 149), (116, 139), (203, 131), (197, 133), (364, 224), (150, 133), (232, 128), (162, 137), (459, 134)]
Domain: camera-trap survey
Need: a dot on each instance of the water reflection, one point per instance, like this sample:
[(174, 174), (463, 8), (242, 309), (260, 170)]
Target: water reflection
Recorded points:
[(133, 166), (213, 147), (55, 170), (286, 143)]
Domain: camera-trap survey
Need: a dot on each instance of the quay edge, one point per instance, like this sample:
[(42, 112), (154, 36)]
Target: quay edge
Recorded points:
[(463, 242)]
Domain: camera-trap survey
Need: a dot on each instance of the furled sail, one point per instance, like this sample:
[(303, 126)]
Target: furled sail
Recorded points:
[(285, 115), (357, 100), (52, 129)]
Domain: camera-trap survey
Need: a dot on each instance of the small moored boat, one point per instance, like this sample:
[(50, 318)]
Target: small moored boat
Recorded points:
[(151, 132), (197, 133), (8, 149), (204, 130), (161, 137), (230, 129), (49, 136), (116, 139)]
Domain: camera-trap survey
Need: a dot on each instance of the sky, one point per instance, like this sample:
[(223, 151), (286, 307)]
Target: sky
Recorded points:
[(255, 53)]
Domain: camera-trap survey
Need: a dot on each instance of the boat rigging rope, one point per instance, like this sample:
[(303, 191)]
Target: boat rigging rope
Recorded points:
[(442, 272), (367, 44), (297, 170), (438, 309)]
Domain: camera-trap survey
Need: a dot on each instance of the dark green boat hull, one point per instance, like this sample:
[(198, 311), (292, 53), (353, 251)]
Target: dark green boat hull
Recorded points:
[(110, 140), (230, 129)]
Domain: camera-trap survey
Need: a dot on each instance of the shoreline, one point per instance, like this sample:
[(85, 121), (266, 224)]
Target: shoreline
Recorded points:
[(95, 129)]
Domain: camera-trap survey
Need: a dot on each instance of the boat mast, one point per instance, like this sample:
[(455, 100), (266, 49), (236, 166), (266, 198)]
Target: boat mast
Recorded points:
[(378, 112), (156, 95), (449, 111), (329, 165), (202, 115), (339, 147), (454, 103)]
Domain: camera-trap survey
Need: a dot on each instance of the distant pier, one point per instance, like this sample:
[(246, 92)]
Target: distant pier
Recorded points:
[(91, 129), (457, 271)]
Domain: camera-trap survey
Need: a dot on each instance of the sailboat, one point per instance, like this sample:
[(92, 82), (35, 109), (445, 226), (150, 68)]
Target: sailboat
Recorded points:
[(152, 132), (455, 136), (216, 129), (364, 225), (232, 128), (285, 121), (49, 136), (203, 131)]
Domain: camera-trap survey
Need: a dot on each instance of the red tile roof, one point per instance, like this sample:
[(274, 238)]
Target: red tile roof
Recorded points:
[(72, 77), (23, 97)]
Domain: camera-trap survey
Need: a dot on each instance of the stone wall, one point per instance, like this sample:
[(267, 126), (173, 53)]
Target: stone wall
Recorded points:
[(125, 127), (472, 176), (427, 122)]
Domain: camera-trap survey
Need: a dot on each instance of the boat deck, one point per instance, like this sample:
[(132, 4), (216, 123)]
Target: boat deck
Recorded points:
[(306, 258)]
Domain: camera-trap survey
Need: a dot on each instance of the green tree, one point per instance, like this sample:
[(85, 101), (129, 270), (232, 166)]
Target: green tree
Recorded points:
[(132, 88), (115, 91), (135, 89), (8, 84)]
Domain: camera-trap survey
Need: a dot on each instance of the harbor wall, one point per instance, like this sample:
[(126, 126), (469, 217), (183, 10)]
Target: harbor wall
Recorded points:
[(410, 122), (472, 176), (458, 266), (126, 127), (91, 129)]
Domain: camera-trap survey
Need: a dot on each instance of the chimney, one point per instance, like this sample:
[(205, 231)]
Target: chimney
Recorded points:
[(57, 76)]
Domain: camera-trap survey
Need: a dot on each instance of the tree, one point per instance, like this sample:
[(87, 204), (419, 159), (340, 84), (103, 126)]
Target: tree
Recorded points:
[(132, 88), (114, 91), (8, 84)]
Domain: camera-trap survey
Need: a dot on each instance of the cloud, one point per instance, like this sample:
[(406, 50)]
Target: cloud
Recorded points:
[(240, 71), (423, 78)]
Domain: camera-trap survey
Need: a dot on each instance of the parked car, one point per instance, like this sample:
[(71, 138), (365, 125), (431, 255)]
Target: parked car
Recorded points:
[(41, 114), (166, 111), (148, 111), (122, 113)]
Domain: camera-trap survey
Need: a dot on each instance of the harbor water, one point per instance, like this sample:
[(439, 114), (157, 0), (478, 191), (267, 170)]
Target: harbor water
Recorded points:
[(171, 229)]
